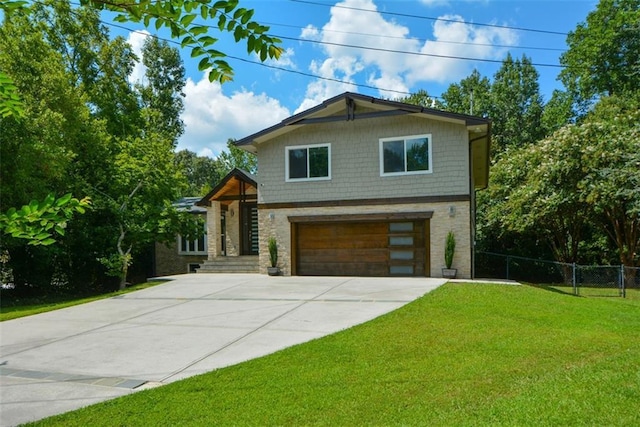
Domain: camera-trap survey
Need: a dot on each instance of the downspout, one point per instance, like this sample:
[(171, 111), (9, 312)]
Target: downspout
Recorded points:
[(472, 207)]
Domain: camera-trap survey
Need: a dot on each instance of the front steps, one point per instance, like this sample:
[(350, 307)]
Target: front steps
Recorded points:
[(231, 264)]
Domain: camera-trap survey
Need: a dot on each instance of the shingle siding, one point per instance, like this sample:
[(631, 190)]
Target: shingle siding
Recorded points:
[(355, 161)]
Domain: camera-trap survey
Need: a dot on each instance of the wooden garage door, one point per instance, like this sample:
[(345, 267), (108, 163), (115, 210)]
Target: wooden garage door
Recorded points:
[(362, 248)]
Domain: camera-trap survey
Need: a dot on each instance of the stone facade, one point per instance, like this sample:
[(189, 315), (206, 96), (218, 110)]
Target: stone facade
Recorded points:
[(275, 222), (169, 261)]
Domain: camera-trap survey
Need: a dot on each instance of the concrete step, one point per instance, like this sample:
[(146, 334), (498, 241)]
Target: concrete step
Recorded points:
[(231, 264)]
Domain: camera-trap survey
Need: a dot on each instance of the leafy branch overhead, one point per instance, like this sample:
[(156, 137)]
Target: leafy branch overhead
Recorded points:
[(40, 221), (186, 19)]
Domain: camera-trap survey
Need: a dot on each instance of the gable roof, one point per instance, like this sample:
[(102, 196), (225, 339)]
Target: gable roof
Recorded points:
[(349, 103), (228, 184)]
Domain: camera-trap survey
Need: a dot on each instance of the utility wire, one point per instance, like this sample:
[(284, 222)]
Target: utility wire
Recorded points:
[(404, 52), (421, 40), (407, 15), (336, 80), (273, 67)]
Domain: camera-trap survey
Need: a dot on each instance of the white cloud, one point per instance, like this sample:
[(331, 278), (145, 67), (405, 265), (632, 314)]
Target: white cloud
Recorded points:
[(136, 41), (390, 67), (211, 117)]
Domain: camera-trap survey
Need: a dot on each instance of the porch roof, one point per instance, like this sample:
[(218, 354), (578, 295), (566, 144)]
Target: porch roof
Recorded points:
[(232, 187)]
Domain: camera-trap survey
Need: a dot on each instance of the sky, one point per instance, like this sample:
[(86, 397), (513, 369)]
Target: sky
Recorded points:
[(420, 44)]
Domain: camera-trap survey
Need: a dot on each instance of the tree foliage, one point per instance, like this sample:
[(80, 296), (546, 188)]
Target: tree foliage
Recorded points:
[(187, 19), (470, 96), (237, 158), (603, 57), (516, 105), (582, 176)]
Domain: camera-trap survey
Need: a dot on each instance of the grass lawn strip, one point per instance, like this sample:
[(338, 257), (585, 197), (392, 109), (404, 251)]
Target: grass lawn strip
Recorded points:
[(461, 355), (15, 312)]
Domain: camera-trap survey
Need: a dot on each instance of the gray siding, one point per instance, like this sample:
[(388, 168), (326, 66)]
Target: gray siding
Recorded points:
[(355, 161)]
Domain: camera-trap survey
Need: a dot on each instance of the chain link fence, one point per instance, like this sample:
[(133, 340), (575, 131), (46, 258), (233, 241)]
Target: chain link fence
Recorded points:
[(592, 280)]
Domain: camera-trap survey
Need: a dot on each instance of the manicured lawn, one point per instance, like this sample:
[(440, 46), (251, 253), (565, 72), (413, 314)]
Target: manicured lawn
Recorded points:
[(16, 311), (461, 355)]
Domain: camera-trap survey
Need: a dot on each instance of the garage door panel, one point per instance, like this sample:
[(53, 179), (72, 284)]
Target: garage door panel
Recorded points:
[(343, 269), (345, 255), (361, 248)]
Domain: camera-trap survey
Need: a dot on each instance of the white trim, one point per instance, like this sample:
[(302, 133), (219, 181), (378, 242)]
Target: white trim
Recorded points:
[(298, 147), (404, 139)]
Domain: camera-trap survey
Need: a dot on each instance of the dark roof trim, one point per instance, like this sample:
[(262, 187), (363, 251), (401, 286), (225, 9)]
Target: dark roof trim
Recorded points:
[(349, 98), (238, 173)]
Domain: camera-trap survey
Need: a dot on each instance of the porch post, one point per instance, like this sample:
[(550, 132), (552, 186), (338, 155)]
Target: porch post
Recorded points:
[(214, 247)]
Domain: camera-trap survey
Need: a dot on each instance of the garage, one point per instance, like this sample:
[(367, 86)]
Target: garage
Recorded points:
[(361, 245)]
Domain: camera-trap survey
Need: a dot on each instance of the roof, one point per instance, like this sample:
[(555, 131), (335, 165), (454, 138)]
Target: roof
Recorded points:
[(228, 184), (351, 103), (352, 106), (188, 204)]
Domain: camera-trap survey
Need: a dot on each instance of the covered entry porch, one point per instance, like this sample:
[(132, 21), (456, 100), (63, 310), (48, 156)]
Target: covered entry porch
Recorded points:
[(232, 223)]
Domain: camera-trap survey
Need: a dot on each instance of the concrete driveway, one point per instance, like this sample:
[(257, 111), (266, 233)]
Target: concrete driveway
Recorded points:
[(63, 360)]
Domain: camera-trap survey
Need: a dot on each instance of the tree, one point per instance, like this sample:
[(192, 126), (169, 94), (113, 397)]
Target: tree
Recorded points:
[(421, 98), (558, 112), (612, 164), (516, 105), (143, 187), (603, 55), (162, 90), (582, 177), (39, 222), (237, 158), (470, 96), (202, 173)]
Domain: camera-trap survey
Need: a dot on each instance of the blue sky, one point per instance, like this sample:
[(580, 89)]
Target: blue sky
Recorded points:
[(260, 96)]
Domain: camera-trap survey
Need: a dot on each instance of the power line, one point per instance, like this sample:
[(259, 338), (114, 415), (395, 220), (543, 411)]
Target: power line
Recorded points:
[(336, 80), (429, 18), (404, 52), (421, 40)]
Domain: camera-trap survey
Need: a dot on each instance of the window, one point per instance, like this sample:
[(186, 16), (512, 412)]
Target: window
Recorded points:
[(193, 247), (405, 155), (308, 163)]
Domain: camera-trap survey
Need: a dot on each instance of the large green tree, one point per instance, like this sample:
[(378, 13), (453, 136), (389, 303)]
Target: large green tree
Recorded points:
[(162, 89), (603, 55), (516, 105), (611, 161), (202, 173), (471, 96)]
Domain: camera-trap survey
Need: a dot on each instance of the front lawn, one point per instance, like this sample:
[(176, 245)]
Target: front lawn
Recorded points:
[(461, 355)]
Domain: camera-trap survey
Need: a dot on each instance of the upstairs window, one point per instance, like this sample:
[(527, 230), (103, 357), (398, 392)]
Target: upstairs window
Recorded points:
[(308, 163), (405, 155)]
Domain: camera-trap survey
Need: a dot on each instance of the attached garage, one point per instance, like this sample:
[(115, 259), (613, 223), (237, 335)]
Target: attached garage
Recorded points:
[(394, 244)]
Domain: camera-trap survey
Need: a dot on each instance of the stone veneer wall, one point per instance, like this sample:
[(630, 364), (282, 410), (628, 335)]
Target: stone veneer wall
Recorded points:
[(233, 229), (169, 262), (232, 232), (441, 223), (213, 231)]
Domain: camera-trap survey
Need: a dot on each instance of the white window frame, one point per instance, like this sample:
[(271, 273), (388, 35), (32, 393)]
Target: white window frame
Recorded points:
[(404, 139), (204, 250), (299, 147)]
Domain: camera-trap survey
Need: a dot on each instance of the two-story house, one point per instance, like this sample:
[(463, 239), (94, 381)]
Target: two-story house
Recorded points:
[(357, 186)]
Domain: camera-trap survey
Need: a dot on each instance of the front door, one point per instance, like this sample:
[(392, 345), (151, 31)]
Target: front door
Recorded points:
[(249, 228)]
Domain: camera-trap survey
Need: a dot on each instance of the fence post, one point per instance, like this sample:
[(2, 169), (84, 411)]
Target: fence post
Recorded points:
[(508, 266), (623, 292), (574, 282)]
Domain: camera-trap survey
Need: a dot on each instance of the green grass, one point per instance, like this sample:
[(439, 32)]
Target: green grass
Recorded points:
[(585, 291), (461, 355), (50, 304)]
